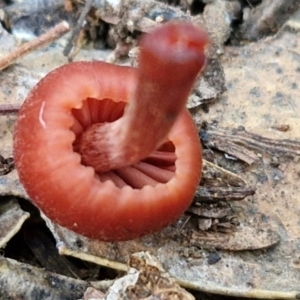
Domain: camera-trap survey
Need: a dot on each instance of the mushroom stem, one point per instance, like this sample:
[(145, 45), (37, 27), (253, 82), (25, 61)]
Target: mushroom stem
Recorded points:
[(170, 59)]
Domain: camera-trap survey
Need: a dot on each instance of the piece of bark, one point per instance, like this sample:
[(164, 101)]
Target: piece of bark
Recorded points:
[(248, 140)]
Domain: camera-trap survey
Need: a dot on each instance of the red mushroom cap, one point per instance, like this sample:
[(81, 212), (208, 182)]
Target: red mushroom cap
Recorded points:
[(119, 204)]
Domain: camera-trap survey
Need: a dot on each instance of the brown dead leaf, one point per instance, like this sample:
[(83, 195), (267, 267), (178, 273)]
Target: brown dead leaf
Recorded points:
[(11, 219), (33, 283)]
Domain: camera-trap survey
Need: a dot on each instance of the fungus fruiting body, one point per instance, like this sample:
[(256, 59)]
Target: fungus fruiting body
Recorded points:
[(109, 151)]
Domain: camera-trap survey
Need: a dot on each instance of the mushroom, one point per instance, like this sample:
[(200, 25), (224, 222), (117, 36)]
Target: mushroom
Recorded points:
[(110, 151)]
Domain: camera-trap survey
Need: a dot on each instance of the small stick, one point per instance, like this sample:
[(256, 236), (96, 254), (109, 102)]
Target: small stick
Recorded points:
[(76, 30), (47, 38), (9, 108)]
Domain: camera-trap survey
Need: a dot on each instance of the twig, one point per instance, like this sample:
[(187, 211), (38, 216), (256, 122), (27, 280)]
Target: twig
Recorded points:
[(9, 108), (76, 30), (41, 41)]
